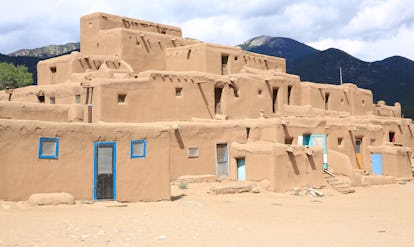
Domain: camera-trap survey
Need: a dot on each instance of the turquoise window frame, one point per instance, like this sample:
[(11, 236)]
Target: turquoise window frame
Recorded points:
[(56, 155), (144, 151)]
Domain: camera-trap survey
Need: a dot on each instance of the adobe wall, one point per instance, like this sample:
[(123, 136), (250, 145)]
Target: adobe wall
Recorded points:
[(219, 60), (203, 136), (396, 161), (381, 109), (23, 173), (92, 24), (339, 98), (41, 112)]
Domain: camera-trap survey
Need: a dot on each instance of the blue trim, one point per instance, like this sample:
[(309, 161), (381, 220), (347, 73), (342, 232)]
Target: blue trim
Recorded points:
[(325, 150), (41, 156), (95, 163), (144, 151)]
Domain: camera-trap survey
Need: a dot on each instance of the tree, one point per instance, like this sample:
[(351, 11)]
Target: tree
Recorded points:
[(14, 76)]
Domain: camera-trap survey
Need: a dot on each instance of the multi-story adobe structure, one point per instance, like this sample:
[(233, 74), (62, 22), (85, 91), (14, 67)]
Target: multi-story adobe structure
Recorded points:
[(140, 106)]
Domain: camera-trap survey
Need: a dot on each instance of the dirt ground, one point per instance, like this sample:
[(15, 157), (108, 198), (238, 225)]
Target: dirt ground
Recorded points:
[(373, 216)]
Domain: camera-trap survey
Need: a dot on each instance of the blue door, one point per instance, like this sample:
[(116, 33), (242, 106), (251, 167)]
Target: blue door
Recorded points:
[(376, 161), (320, 141), (241, 169), (104, 180)]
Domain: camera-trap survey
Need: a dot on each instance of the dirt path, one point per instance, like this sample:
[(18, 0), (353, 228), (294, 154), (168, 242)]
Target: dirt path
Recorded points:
[(373, 216)]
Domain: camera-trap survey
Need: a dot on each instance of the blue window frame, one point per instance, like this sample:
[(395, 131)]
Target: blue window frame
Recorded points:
[(48, 148), (138, 149)]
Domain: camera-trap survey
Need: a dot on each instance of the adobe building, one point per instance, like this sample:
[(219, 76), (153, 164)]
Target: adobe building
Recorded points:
[(140, 106)]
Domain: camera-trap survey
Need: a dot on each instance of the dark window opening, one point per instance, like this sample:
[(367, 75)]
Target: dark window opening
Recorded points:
[(274, 99), (53, 69), (163, 32), (247, 133), (178, 91), (121, 98), (52, 100), (340, 139), (224, 61), (289, 94), (326, 101), (218, 91), (41, 98), (260, 92), (391, 136), (358, 142), (236, 58)]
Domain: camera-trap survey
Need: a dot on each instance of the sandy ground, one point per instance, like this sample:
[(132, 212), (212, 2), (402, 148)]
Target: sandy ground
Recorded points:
[(373, 216)]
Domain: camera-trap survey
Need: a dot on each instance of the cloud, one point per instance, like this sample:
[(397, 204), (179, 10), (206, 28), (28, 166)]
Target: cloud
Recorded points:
[(355, 26)]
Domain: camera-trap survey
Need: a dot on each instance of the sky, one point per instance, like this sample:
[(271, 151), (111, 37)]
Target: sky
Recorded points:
[(367, 29)]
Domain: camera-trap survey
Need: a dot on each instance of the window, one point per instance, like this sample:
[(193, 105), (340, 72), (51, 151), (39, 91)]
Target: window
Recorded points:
[(138, 149), (178, 91), (372, 141), (193, 152), (121, 98), (53, 69), (391, 136), (260, 92), (48, 148), (77, 99), (340, 139), (289, 95), (52, 100)]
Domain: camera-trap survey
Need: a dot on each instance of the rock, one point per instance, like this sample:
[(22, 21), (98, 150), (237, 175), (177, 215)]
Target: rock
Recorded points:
[(255, 189), (43, 199)]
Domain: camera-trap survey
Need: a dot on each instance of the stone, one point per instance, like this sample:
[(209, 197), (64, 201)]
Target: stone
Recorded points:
[(43, 199)]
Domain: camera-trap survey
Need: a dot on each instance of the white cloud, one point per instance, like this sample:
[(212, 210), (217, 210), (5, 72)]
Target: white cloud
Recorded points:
[(355, 26)]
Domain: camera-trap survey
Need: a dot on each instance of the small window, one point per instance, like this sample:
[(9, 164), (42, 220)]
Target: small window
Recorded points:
[(121, 98), (391, 136), (236, 58), (193, 152), (138, 149), (372, 141), (48, 148), (52, 100), (53, 69), (260, 92), (41, 98), (340, 139), (178, 91), (77, 99), (363, 102)]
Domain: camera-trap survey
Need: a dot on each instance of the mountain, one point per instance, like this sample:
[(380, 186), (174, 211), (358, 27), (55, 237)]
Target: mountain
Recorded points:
[(47, 51), (391, 79), (30, 57), (287, 48)]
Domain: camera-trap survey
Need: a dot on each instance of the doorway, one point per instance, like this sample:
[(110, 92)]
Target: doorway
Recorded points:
[(224, 62), (218, 91), (241, 169), (274, 99), (376, 163), (358, 154), (104, 171), (222, 165)]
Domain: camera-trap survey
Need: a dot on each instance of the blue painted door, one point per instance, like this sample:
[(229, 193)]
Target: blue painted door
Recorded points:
[(376, 161), (104, 182), (241, 169), (320, 141)]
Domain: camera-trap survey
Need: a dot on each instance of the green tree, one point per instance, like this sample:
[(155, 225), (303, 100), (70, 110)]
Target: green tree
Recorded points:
[(14, 76)]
